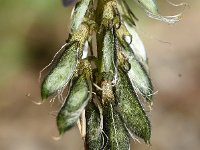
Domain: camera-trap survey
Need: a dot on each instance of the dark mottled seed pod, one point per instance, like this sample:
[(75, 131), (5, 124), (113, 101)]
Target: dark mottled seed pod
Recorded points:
[(75, 103), (118, 136), (93, 139), (129, 108), (60, 75)]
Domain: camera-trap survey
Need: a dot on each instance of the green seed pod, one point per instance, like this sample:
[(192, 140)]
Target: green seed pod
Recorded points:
[(130, 109), (151, 9), (138, 75), (93, 140), (140, 79), (107, 67), (118, 136), (60, 75), (79, 13), (130, 40), (75, 103), (133, 50), (136, 44)]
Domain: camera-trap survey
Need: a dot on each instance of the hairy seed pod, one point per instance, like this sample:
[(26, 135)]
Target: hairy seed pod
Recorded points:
[(79, 13), (140, 79), (136, 44), (129, 39), (118, 136), (60, 75), (75, 103), (130, 109), (107, 67), (138, 75), (93, 139)]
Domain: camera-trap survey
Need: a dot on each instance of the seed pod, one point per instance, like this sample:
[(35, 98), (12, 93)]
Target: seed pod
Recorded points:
[(93, 140), (107, 53), (140, 79), (138, 75), (75, 103), (151, 9), (136, 44), (129, 108), (118, 137), (129, 39), (79, 13), (60, 75)]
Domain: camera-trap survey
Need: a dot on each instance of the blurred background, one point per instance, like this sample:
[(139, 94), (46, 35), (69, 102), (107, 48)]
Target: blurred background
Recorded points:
[(32, 31)]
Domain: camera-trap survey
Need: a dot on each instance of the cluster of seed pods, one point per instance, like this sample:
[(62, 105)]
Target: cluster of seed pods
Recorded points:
[(108, 81)]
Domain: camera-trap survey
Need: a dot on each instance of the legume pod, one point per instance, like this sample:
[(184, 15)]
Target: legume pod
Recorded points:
[(138, 75), (118, 136), (130, 109), (79, 13), (60, 75), (93, 139), (79, 95)]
